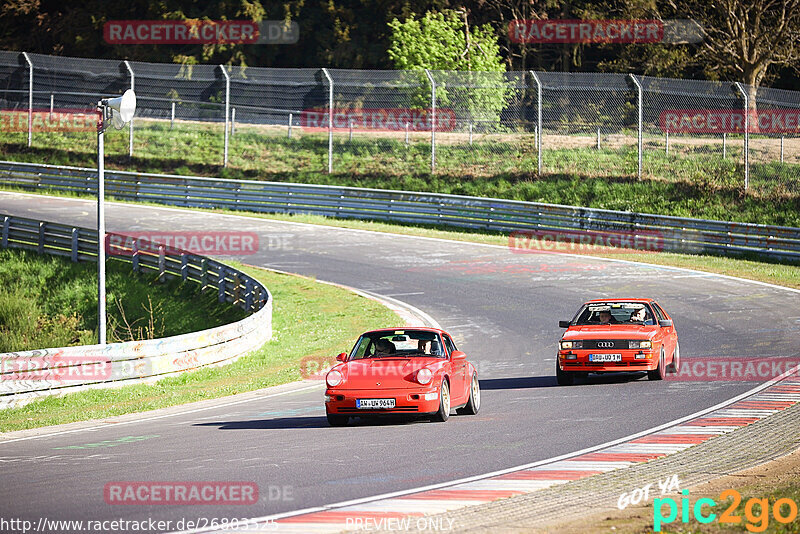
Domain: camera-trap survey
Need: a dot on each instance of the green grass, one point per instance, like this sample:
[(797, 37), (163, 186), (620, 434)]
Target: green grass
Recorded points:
[(310, 320), (48, 301), (691, 181)]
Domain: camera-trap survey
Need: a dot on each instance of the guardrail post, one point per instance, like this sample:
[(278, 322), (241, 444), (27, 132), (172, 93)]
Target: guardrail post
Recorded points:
[(203, 274), (221, 284), (539, 130), (6, 225), (161, 263), (130, 136), (184, 266), (237, 290), (40, 248), (330, 120), (227, 112), (638, 87), (433, 120), (135, 255), (30, 97), (248, 304), (738, 87), (74, 246)]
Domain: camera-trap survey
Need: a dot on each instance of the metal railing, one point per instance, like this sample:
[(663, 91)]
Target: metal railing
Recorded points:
[(676, 234), (27, 375)]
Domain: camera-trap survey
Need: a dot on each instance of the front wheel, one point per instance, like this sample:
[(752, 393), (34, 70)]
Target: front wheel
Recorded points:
[(444, 403), (562, 377), (675, 366), (659, 372), (338, 420), (474, 402)]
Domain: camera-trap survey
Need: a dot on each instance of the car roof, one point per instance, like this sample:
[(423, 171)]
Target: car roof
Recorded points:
[(404, 328), (620, 300)]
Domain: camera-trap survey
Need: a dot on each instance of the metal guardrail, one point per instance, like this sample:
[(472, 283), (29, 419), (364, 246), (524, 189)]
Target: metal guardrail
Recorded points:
[(25, 376), (521, 218)]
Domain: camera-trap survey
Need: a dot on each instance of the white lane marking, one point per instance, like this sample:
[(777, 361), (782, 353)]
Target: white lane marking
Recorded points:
[(155, 417), (404, 294), (390, 234)]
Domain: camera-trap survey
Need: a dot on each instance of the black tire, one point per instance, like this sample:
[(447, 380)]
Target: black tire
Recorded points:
[(337, 420), (474, 402), (444, 404), (564, 378), (675, 366), (659, 372)]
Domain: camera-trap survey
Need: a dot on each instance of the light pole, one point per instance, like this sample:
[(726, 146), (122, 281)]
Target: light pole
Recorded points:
[(119, 111)]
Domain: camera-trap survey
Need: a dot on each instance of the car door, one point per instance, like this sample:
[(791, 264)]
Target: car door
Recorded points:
[(459, 373), (667, 333)]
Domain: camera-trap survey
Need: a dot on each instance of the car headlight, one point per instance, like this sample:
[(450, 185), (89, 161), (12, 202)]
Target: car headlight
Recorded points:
[(640, 344), (334, 378), (571, 345), (424, 376)]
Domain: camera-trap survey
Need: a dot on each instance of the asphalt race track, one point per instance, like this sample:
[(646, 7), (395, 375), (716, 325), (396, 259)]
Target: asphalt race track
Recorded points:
[(503, 310)]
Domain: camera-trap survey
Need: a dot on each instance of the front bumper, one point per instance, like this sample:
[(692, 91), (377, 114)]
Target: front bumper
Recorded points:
[(421, 401), (647, 360)]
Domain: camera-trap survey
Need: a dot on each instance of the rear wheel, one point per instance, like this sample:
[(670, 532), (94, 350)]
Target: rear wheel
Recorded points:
[(338, 420), (675, 366), (474, 402), (564, 378), (659, 372), (444, 403)]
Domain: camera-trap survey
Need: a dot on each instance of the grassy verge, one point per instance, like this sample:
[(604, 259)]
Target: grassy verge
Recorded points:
[(309, 320), (48, 301), (688, 182)]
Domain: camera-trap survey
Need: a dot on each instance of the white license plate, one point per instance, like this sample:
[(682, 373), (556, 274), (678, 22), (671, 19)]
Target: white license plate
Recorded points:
[(605, 357), (373, 404)]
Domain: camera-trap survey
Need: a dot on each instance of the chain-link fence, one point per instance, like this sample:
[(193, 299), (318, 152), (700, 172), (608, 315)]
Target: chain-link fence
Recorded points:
[(276, 123)]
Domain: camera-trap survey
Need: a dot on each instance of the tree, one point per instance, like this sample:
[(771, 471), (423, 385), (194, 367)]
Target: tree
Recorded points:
[(444, 41)]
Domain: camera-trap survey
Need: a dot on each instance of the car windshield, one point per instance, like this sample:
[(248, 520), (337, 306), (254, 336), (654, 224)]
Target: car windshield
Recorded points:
[(614, 313), (398, 343)]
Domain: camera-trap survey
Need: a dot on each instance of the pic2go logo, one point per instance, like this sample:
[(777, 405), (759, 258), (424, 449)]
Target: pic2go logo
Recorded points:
[(756, 511)]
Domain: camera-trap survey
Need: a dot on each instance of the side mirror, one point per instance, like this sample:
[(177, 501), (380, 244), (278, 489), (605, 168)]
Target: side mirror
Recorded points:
[(458, 355), (563, 324), (665, 322), (342, 357)]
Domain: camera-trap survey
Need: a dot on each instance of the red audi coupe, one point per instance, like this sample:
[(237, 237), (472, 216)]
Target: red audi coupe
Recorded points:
[(415, 371), (610, 335)]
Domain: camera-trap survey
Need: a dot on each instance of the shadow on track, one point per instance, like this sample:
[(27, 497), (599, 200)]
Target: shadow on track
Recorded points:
[(525, 382)]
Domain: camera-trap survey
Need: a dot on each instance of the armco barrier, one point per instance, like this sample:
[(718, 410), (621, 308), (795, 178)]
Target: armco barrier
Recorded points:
[(28, 375), (674, 233)]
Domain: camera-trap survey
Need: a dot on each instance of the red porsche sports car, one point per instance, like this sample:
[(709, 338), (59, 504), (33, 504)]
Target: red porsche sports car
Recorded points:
[(618, 335), (414, 371)]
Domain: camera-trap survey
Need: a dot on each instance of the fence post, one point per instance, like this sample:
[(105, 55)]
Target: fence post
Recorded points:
[(470, 132), (433, 120), (781, 149), (233, 122), (666, 138), (30, 97), (227, 113), (289, 134), (724, 145), (638, 121), (51, 106), (598, 138), (406, 133), (172, 116), (130, 137), (740, 89), (538, 120), (330, 120)]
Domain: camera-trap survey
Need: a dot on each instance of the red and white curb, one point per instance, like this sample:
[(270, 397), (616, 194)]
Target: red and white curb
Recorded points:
[(411, 507)]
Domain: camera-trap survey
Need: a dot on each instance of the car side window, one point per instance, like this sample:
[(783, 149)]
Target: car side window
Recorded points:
[(449, 344), (659, 312)]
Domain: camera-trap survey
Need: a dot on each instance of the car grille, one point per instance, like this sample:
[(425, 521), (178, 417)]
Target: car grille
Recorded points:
[(606, 344)]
